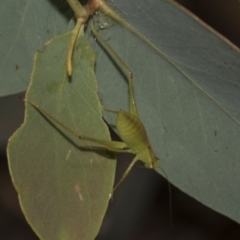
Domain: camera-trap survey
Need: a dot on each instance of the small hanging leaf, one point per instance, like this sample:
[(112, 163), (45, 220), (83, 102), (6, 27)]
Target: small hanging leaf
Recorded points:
[(63, 188)]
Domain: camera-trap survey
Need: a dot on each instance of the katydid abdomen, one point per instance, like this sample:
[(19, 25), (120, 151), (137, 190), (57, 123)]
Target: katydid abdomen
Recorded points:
[(132, 131)]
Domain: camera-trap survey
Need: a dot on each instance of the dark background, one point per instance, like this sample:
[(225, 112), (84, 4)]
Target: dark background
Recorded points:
[(133, 214)]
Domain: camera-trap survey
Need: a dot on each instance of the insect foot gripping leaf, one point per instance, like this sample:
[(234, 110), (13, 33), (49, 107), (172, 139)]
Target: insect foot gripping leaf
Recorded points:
[(63, 189)]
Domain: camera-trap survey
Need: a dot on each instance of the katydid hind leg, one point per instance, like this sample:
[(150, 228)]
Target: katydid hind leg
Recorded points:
[(108, 143)]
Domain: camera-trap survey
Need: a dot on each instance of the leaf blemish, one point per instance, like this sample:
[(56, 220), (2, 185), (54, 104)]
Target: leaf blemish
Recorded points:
[(68, 154), (77, 189)]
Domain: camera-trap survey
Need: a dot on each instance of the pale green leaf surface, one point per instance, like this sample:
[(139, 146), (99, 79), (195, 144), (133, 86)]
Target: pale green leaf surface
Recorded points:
[(188, 101), (63, 189), (25, 26)]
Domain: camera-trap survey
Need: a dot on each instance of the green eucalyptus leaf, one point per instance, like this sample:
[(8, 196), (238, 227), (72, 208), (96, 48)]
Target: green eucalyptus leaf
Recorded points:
[(63, 188), (188, 97), (25, 26)]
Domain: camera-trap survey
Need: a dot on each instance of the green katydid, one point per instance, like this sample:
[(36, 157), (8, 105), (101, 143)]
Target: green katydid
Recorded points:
[(129, 126)]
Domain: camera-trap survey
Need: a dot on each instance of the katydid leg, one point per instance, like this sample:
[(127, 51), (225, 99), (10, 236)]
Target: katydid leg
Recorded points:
[(132, 103)]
